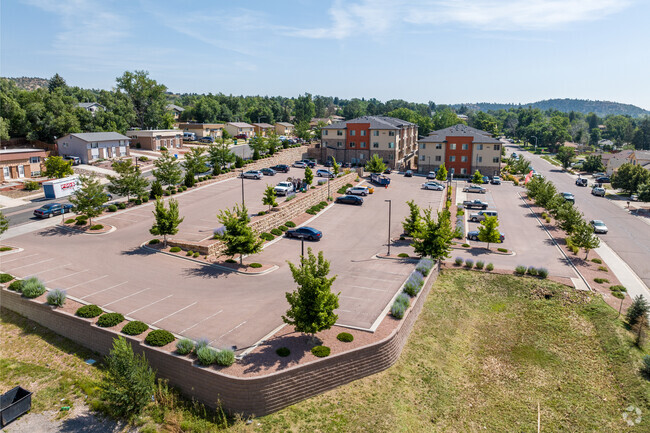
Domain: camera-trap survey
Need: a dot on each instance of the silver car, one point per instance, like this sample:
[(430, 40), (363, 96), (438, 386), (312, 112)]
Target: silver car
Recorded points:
[(475, 188), (598, 191), (252, 174), (599, 226), (433, 185)]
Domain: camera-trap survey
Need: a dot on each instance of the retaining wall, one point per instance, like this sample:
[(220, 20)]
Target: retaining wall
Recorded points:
[(257, 396)]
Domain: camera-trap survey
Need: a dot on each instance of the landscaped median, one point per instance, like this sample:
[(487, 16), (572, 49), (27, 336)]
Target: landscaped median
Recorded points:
[(83, 225)]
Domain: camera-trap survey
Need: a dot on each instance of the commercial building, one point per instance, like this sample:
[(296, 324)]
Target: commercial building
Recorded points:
[(91, 146), (214, 130), (357, 140), (462, 149), (21, 163), (154, 139)]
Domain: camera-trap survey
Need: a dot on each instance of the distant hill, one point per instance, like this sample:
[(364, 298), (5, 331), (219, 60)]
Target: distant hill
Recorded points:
[(601, 108), (29, 83)]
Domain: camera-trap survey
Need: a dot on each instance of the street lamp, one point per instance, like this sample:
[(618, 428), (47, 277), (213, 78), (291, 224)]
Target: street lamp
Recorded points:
[(532, 136), (242, 188), (390, 205)]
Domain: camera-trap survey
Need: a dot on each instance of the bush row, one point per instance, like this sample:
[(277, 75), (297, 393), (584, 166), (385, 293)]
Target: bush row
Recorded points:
[(532, 271), (469, 264)]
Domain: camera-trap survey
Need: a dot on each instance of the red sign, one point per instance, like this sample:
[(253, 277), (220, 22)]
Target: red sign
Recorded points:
[(528, 176), (68, 185)]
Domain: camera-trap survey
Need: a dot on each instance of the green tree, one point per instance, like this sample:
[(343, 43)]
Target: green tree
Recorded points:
[(445, 118), (375, 164), (147, 96), (57, 167), (269, 197), (220, 155), (629, 177), (583, 237), (309, 176), (335, 167), (167, 170), (236, 235), (565, 155), (56, 82), (129, 382), (189, 180), (412, 221), (312, 304), (486, 122), (90, 198), (442, 173), (194, 161), (593, 163), (304, 108), (644, 192), (488, 232), (156, 190), (569, 218), (129, 181), (477, 177), (167, 220), (433, 237), (302, 131), (639, 308), (4, 223), (594, 136)]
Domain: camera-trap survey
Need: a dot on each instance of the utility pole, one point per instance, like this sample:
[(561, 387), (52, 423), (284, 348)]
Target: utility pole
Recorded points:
[(390, 209)]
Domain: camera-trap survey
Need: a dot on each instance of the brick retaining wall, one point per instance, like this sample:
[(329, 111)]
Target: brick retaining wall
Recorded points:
[(258, 395)]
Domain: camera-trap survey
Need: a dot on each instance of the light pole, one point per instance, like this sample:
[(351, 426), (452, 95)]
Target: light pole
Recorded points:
[(242, 188), (532, 136), (390, 206), (328, 189)]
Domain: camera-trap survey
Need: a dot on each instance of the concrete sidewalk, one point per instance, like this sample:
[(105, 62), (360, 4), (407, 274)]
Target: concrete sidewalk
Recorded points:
[(628, 278)]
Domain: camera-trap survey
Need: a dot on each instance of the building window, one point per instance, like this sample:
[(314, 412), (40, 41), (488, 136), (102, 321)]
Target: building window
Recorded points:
[(375, 145), (391, 145), (353, 133), (423, 158), (424, 145), (463, 159), (497, 147), (438, 145), (339, 133), (438, 158), (351, 144), (479, 159), (390, 156), (363, 133), (94, 145), (375, 133), (465, 146), (339, 143), (34, 159), (325, 132), (479, 147), (452, 159), (391, 133), (463, 171), (452, 146), (363, 144), (495, 160)]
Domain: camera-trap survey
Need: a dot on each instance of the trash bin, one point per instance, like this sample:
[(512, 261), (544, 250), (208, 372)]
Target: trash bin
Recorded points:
[(13, 404)]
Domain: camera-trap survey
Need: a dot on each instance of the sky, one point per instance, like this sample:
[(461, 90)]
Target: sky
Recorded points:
[(445, 51)]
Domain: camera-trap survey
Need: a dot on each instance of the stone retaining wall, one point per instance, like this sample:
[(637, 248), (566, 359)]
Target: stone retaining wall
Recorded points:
[(258, 395)]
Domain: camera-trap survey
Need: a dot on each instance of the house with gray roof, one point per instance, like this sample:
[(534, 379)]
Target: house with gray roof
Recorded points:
[(240, 128), (176, 110), (93, 107), (91, 146)]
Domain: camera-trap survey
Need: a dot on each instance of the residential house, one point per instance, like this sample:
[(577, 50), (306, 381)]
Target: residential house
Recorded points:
[(91, 146), (263, 129), (462, 117), (284, 128), (316, 120), (155, 139), (641, 157), (336, 118), (93, 107), (21, 163), (462, 149), (176, 110), (214, 130), (618, 159), (357, 140), (240, 128)]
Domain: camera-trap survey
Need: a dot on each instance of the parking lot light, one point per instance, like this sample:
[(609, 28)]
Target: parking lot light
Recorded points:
[(390, 206), (242, 188)]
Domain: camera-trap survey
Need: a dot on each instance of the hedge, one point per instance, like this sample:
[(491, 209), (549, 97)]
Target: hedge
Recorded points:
[(135, 328), (159, 337), (108, 320), (89, 311), (320, 351)]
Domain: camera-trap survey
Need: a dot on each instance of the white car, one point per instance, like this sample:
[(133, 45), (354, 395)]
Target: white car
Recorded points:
[(433, 185), (431, 175), (284, 188), (598, 191), (599, 226), (252, 174), (358, 190), (299, 164), (475, 188)]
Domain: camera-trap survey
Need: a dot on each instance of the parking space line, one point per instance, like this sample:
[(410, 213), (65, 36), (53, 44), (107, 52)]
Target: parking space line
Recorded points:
[(66, 276), (352, 297), (370, 288), (19, 258), (343, 311), (223, 335), (201, 321), (103, 290), (175, 312), (379, 279), (32, 264), (86, 282), (48, 270), (127, 296), (149, 305), (119, 217)]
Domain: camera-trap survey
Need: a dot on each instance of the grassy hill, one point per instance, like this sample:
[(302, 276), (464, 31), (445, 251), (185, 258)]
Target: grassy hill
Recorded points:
[(601, 108)]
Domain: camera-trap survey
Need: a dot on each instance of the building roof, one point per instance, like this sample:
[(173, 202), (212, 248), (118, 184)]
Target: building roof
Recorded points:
[(98, 136), (459, 130), (10, 151), (175, 107), (623, 154), (376, 122), (263, 125), (285, 124), (145, 132), (642, 154), (88, 104), (240, 124), (200, 125)]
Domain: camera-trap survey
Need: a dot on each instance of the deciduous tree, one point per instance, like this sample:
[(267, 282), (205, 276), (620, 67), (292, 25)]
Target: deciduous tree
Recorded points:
[(220, 155), (147, 96), (629, 177), (90, 198), (129, 181), (488, 232), (269, 197), (57, 167), (583, 237), (412, 221), (477, 177), (236, 234), (167, 220), (565, 155), (433, 237), (375, 164), (167, 170), (442, 173), (194, 161)]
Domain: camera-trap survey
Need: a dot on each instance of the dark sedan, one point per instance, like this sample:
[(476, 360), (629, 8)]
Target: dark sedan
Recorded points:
[(281, 168), (350, 199), (52, 209), (408, 173), (309, 233), (268, 172)]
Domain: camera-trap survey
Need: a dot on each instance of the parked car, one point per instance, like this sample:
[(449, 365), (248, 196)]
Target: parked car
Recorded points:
[(309, 162), (324, 173), (252, 174), (284, 188), (496, 180), (241, 136), (350, 199), (581, 181), (75, 159), (347, 165), (431, 175), (408, 173), (599, 226), (514, 155), (486, 179), (475, 188), (268, 171), (598, 191), (52, 209), (206, 140), (433, 185), (300, 164), (603, 179), (481, 215), (473, 236), (328, 163), (388, 171), (281, 168), (568, 197), (599, 174), (358, 190), (468, 204), (309, 233)]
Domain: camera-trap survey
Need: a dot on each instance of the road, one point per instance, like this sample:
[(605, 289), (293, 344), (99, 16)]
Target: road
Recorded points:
[(628, 236)]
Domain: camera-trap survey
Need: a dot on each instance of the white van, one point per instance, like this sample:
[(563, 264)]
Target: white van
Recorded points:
[(189, 136)]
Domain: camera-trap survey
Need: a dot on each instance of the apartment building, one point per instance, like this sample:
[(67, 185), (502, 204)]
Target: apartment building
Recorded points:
[(240, 128), (21, 163), (462, 149), (284, 128), (91, 146), (214, 130), (263, 129), (155, 139), (357, 140)]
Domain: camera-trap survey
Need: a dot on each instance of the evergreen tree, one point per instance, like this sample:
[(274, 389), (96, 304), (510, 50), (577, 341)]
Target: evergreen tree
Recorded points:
[(237, 236), (167, 170), (442, 173), (639, 307), (335, 167), (167, 220), (375, 164), (488, 232), (309, 176), (156, 190), (129, 181), (412, 222), (477, 178), (56, 82), (90, 198), (269, 197), (189, 180)]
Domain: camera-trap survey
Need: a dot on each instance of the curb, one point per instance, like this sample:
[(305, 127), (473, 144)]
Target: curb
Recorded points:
[(510, 253), (13, 250), (86, 232)]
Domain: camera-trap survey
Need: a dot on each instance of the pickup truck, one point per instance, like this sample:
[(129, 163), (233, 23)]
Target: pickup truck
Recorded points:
[(49, 210), (476, 204), (284, 188)]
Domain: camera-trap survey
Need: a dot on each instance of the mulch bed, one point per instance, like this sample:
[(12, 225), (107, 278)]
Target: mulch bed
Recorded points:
[(86, 228)]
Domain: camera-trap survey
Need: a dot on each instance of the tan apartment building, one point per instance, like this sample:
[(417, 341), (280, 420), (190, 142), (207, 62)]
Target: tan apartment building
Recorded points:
[(214, 130), (16, 164), (263, 129), (462, 149), (155, 139), (357, 140), (240, 128), (284, 128)]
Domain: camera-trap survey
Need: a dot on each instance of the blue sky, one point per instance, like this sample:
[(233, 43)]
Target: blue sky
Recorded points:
[(446, 51)]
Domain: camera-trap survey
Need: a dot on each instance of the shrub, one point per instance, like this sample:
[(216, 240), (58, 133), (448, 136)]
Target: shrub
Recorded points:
[(262, 212), (231, 261), (283, 228), (645, 369), (520, 270), (108, 320), (134, 328), (603, 268), (154, 241), (225, 357), (196, 254), (290, 224), (174, 249), (5, 278), (276, 232), (601, 280), (532, 271), (466, 245), (397, 310), (201, 342), (89, 311), (598, 261), (166, 193), (458, 261), (189, 253), (489, 267), (145, 199), (283, 352), (323, 204), (542, 272), (96, 227), (617, 288), (81, 217), (469, 263), (502, 250), (255, 265), (403, 299), (69, 221), (33, 288), (56, 297), (403, 255), (424, 266), (31, 185), (143, 158), (320, 351), (345, 337), (184, 346), (16, 286), (121, 205), (618, 295), (548, 219), (3, 249), (159, 337), (413, 283), (480, 264), (80, 222), (267, 236), (138, 202), (206, 355)]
